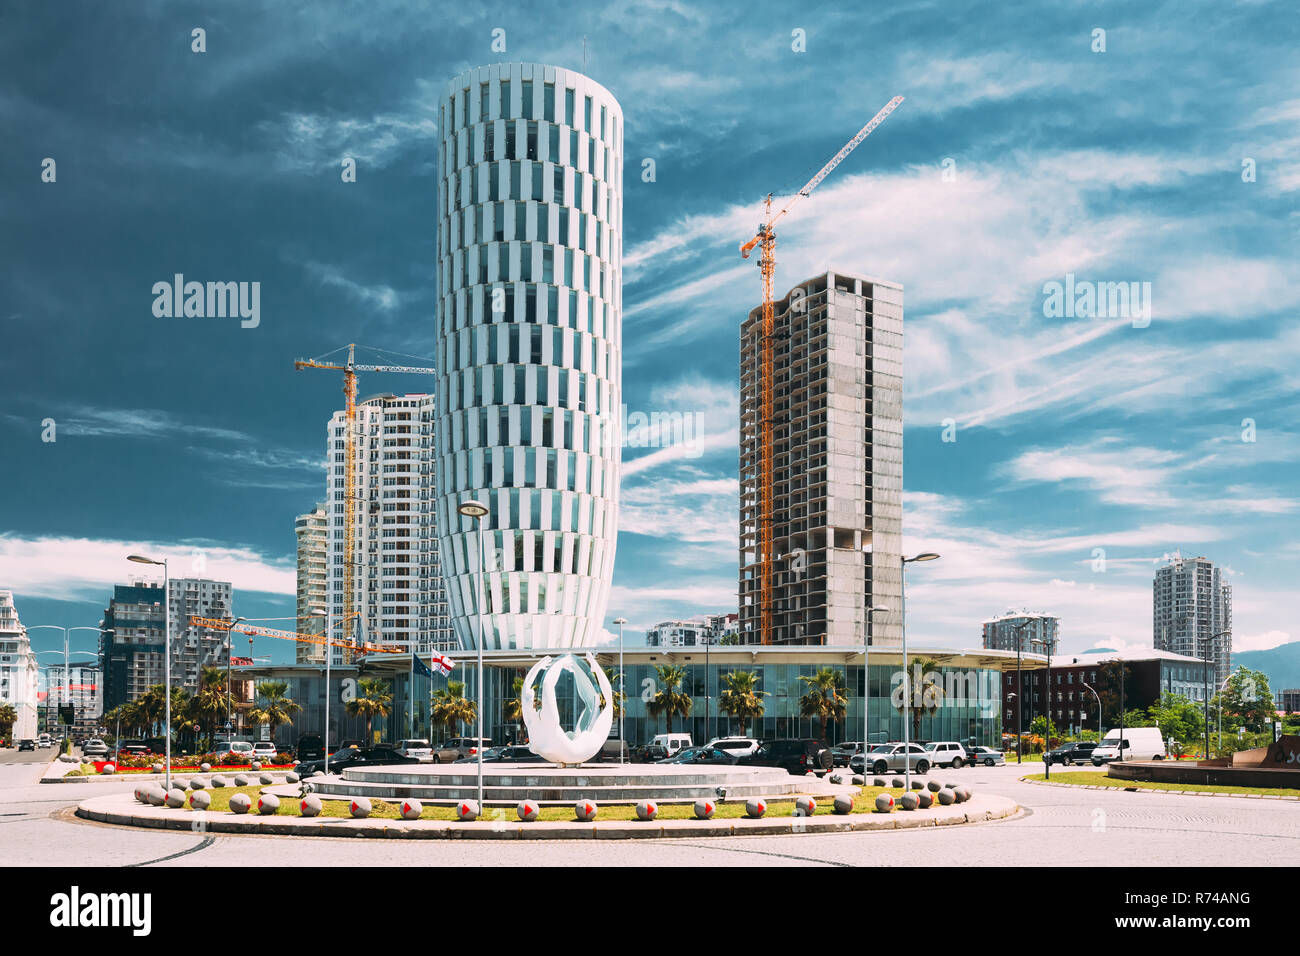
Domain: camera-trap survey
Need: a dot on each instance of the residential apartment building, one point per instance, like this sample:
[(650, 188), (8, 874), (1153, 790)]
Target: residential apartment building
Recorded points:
[(837, 450), (698, 631), (398, 589), (311, 531), (82, 689), (1288, 700), (1192, 612), (131, 654), (529, 351), (1033, 631), (19, 683)]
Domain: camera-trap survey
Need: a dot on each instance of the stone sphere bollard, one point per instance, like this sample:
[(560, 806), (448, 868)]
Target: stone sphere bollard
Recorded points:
[(884, 802), (647, 810), (360, 807), (157, 768), (843, 804), (267, 804), (240, 780), (200, 799), (909, 800), (205, 767), (963, 794), (157, 796), (859, 780), (266, 779), (952, 786), (240, 802), (755, 807), (926, 798), (835, 778), (878, 782), (290, 777), (256, 765), (108, 768), (467, 811), (180, 784), (527, 810), (946, 797), (310, 806), (704, 809), (934, 786), (586, 810), (175, 798), (218, 781), (804, 806), (897, 783), (197, 784), (918, 785), (139, 795), (411, 809)]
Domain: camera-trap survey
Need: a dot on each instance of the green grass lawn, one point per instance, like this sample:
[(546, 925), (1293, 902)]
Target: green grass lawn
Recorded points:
[(1106, 780), (385, 810)]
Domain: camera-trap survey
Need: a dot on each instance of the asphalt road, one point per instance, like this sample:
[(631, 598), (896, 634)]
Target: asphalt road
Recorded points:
[(1062, 826)]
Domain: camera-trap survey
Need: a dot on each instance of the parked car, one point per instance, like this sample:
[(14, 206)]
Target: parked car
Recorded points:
[(1080, 751), (416, 747), (650, 753), (740, 746), (796, 756), (348, 757), (987, 756), (310, 747), (947, 753), (44, 741), (134, 748), (884, 758), (515, 753), (240, 748), (843, 752), (672, 742), (94, 747), (264, 750), (26, 743), (709, 755), (465, 746), (1137, 743)]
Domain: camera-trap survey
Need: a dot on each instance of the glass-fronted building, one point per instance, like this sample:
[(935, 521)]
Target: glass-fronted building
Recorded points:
[(529, 350), (965, 707)]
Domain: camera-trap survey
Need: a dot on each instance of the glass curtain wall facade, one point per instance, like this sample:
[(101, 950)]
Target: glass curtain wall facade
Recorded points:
[(529, 350)]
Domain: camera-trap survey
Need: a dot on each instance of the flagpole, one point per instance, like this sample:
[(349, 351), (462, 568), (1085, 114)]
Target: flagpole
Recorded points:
[(410, 696)]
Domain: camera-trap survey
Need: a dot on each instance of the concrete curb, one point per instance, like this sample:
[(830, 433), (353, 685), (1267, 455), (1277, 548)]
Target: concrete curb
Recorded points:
[(155, 777), (122, 810), (1181, 793)]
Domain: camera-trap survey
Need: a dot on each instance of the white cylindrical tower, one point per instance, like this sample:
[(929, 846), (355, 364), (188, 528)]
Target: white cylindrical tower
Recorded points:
[(529, 350)]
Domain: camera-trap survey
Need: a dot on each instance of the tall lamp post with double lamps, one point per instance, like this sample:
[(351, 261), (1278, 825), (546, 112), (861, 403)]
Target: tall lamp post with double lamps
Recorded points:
[(622, 682), (907, 680), (167, 656), (326, 614), (478, 511), (866, 684), (230, 651)]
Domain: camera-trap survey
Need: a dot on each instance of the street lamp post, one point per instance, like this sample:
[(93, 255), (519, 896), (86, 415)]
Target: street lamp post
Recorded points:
[(1098, 696), (1208, 642), (478, 511), (167, 656), (329, 656), (907, 690), (1020, 693), (1047, 731), (866, 684), (622, 689), (230, 650)]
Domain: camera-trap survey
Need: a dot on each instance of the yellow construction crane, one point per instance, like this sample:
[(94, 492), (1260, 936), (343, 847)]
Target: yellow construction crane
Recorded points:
[(766, 240), (219, 624), (350, 496)]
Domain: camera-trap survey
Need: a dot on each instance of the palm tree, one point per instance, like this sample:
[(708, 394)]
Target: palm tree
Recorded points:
[(927, 697), (741, 699), (277, 709), (826, 699), (184, 726), (450, 707), (211, 704), (619, 696), (374, 699), (670, 701)]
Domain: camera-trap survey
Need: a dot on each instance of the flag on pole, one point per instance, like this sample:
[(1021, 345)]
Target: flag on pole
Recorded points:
[(420, 668), (443, 663)]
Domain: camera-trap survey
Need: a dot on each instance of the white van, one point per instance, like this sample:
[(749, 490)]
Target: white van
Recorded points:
[(1139, 743), (672, 742)]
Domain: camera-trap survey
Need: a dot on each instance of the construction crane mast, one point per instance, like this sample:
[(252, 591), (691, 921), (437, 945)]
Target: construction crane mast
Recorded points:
[(765, 239), (350, 497)]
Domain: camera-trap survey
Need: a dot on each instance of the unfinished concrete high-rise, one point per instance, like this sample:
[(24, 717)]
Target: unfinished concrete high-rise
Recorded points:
[(837, 496)]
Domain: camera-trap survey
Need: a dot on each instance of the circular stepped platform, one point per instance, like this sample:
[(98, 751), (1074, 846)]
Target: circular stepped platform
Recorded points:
[(550, 785)]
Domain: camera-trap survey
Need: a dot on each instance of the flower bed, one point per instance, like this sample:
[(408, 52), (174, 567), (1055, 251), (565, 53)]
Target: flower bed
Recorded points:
[(190, 764)]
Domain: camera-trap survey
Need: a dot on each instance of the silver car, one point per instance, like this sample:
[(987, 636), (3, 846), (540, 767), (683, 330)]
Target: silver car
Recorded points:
[(986, 756), (884, 758)]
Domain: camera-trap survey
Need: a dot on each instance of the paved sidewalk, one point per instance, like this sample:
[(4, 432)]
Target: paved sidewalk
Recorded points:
[(124, 810)]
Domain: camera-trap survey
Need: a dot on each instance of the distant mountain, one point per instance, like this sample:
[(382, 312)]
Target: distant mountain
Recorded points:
[(1281, 664)]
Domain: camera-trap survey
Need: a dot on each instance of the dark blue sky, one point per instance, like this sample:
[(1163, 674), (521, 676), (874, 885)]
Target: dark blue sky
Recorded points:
[(193, 436)]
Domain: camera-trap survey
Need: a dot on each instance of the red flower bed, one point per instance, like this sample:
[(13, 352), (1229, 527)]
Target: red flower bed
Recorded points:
[(191, 768)]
